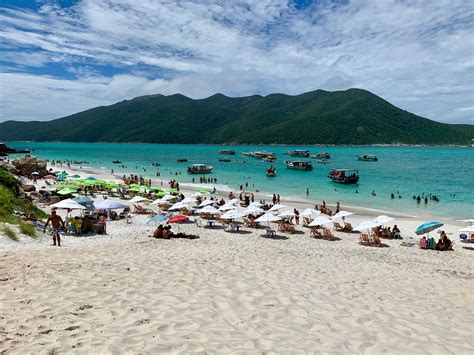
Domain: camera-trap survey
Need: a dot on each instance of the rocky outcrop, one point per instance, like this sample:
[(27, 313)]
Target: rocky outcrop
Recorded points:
[(28, 188), (27, 165), (5, 150)]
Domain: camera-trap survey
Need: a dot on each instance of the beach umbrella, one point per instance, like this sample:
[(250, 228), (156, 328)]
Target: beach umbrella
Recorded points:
[(233, 214), (35, 173), (227, 207), (428, 227), (138, 199), (91, 178), (49, 177), (367, 225), (203, 191), (341, 214), (310, 212), (66, 191), (234, 201), (189, 200), (109, 204), (68, 204), (197, 194), (206, 203), (287, 213), (84, 201), (252, 210), (158, 218), (168, 198), (254, 204), (178, 206), (277, 207), (75, 176), (383, 219), (320, 221), (178, 219), (268, 217), (160, 194), (210, 210)]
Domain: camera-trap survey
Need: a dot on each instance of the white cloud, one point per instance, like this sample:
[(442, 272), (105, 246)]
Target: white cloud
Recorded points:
[(416, 54)]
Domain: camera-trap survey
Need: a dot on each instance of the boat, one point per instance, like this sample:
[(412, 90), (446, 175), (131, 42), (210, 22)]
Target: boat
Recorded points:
[(182, 160), (299, 153), (324, 161), (344, 176), (199, 169), (241, 161), (227, 152), (271, 171), (367, 157), (116, 162), (155, 164), (268, 156), (322, 155), (226, 160), (299, 165)]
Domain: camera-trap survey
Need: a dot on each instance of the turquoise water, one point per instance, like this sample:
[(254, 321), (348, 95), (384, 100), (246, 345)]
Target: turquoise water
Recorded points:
[(442, 171)]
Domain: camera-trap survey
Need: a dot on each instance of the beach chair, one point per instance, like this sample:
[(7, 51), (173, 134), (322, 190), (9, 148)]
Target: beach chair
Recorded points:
[(348, 227), (249, 223), (327, 234), (375, 241), (140, 210), (289, 228), (306, 221), (364, 239), (337, 227), (315, 233)]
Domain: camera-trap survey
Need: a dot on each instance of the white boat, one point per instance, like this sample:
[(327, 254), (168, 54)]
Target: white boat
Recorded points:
[(322, 155), (299, 153), (299, 165), (367, 157), (199, 169), (260, 154)]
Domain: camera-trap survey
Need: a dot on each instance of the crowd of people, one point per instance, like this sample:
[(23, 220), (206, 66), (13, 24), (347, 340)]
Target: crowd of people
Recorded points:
[(444, 243)]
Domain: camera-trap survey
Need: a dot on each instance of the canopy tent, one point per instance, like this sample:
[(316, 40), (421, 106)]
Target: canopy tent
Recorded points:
[(68, 204)]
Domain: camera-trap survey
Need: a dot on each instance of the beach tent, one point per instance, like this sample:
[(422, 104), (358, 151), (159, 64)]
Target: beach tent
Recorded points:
[(320, 221), (109, 204), (68, 204)]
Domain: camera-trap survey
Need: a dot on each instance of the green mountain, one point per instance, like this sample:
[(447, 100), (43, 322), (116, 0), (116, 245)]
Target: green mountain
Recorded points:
[(319, 117)]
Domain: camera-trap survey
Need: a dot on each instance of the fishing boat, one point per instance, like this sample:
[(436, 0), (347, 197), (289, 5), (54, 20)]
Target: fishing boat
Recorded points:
[(344, 176), (225, 160), (271, 171), (367, 157), (227, 152), (199, 169), (299, 165), (324, 161), (322, 155), (182, 160), (299, 153)]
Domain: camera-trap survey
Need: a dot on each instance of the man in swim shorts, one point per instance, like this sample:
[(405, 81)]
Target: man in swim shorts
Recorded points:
[(57, 223)]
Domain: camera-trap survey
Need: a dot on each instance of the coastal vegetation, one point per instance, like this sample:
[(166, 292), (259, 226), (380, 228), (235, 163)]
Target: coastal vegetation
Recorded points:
[(353, 116)]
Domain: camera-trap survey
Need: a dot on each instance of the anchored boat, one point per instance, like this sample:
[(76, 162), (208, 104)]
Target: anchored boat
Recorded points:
[(299, 153), (367, 157), (299, 165), (322, 155), (199, 169), (227, 152), (344, 176)]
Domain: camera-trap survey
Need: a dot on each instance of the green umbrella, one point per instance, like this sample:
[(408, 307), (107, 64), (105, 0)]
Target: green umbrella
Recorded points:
[(203, 191), (155, 188), (66, 191), (90, 178), (160, 194), (173, 191), (75, 176)]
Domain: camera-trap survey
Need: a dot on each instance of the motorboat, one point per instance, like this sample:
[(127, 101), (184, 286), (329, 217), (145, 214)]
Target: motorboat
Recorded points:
[(267, 156), (116, 162), (299, 153), (225, 160), (227, 152), (344, 176), (199, 169), (299, 165), (367, 157), (182, 160), (322, 155), (323, 161)]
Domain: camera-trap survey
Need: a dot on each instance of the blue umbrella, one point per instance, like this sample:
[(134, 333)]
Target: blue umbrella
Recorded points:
[(158, 218), (428, 227)]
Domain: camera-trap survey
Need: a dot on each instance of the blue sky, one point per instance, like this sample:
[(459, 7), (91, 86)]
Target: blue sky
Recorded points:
[(58, 57)]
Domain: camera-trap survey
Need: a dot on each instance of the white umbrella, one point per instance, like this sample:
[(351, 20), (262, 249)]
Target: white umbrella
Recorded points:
[(383, 219), (467, 229), (189, 200), (138, 199), (287, 213), (320, 221), (233, 201), (227, 207), (109, 204), (309, 212), (341, 214), (35, 173), (256, 204), (233, 214), (168, 197), (210, 210), (160, 202), (252, 210), (268, 217), (178, 206), (277, 207), (197, 194), (68, 204), (367, 225), (206, 203)]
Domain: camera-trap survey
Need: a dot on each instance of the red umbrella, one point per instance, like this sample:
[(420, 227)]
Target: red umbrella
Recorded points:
[(178, 219), (49, 177)]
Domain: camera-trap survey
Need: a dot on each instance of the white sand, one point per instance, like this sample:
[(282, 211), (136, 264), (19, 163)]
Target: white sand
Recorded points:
[(233, 292)]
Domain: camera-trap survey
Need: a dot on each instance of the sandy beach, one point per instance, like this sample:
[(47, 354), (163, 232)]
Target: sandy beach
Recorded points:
[(234, 292)]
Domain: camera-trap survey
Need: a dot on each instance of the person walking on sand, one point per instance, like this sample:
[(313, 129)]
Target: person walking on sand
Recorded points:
[(57, 222)]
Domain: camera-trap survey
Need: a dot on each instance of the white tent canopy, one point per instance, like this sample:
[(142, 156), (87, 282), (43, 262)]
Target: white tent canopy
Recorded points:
[(68, 204), (320, 221), (108, 204)]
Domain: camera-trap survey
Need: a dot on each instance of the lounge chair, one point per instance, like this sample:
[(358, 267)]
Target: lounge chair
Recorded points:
[(315, 233), (249, 223), (364, 239), (327, 234), (140, 210), (338, 227), (375, 241), (348, 227)]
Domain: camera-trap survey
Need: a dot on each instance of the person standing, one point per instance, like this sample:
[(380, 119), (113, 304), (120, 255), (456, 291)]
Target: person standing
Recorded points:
[(57, 222)]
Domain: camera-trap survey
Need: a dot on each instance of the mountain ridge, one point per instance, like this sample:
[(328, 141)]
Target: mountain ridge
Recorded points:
[(353, 116)]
